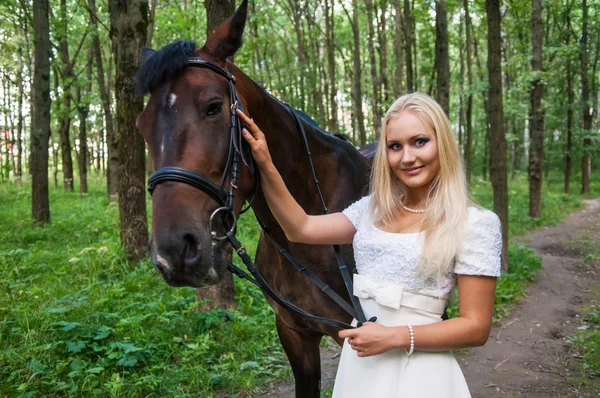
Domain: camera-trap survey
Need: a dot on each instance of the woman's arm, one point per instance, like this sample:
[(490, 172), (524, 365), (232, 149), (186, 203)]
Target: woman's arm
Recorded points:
[(470, 329), (333, 228)]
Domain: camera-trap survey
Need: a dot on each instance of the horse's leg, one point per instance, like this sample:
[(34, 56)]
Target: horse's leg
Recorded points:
[(302, 350)]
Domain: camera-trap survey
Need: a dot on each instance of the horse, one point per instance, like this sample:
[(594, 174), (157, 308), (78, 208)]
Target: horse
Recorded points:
[(186, 124)]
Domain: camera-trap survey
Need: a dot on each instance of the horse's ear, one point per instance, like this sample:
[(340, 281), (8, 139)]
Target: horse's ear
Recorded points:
[(147, 53), (227, 38)]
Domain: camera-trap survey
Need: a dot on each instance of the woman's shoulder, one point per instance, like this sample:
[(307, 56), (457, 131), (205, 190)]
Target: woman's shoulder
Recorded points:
[(357, 210), (481, 217)]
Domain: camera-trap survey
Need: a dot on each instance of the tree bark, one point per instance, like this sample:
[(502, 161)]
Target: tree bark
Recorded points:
[(40, 126), (112, 175), (382, 39), (330, 34), (65, 115), (129, 22), (498, 140), (399, 67), (374, 76), (83, 110), (151, 23), (442, 61), (469, 114), (587, 106), (410, 86), (19, 140), (537, 113)]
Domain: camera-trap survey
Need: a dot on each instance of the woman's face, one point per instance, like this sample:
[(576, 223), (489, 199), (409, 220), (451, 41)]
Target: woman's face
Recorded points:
[(412, 151)]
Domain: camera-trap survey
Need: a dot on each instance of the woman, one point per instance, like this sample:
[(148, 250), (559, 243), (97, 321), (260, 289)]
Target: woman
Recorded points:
[(415, 238)]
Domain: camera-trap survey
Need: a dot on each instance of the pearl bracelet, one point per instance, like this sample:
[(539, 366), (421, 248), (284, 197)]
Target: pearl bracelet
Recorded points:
[(412, 340)]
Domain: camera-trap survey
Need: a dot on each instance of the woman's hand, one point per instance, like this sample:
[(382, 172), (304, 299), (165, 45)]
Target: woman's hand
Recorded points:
[(256, 139), (370, 339)]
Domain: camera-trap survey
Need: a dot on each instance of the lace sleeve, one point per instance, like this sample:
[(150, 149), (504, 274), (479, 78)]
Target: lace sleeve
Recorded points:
[(356, 210), (483, 247)]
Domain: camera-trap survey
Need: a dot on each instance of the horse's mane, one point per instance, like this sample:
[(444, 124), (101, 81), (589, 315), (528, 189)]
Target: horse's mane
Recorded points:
[(162, 65), (170, 61)]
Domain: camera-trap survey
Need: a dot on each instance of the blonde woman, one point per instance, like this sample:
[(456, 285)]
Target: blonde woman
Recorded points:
[(415, 238)]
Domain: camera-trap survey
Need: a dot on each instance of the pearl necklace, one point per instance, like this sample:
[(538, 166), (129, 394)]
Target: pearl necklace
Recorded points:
[(412, 210)]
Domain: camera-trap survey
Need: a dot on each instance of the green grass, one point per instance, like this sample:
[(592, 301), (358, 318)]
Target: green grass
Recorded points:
[(77, 319)]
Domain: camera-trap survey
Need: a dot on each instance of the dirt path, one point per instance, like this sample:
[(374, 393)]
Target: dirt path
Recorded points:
[(527, 353)]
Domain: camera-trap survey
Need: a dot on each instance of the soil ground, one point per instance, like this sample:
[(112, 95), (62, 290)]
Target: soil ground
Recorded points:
[(528, 354)]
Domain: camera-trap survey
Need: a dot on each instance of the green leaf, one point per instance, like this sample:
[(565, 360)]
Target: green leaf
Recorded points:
[(76, 346)]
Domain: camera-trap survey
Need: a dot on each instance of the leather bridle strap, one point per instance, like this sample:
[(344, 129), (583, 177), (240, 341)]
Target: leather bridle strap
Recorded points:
[(194, 179)]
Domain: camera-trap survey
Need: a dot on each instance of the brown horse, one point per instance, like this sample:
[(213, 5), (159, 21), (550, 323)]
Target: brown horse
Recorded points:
[(187, 125)]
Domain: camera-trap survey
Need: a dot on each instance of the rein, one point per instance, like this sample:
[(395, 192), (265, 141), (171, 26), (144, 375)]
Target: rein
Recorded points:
[(238, 148)]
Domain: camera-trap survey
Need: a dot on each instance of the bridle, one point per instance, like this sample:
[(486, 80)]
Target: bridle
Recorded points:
[(238, 149)]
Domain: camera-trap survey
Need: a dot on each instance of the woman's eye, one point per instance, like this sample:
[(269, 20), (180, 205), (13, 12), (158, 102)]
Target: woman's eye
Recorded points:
[(421, 141), (394, 146), (214, 108)]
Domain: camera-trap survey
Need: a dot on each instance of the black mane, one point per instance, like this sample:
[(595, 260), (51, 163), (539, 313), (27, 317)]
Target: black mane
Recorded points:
[(164, 64)]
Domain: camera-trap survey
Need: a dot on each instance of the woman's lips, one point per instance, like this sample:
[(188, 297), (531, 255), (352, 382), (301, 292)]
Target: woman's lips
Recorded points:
[(412, 170)]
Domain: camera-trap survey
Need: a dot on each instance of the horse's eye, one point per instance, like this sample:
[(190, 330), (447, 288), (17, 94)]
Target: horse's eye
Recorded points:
[(214, 108)]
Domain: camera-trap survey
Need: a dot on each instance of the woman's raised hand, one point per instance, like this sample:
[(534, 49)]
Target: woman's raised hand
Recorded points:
[(256, 139)]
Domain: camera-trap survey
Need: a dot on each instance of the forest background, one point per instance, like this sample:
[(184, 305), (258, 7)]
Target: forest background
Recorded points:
[(518, 79)]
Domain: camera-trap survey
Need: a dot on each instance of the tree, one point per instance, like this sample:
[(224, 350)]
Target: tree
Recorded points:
[(587, 107), (441, 56), (83, 111), (374, 76), (408, 41), (398, 48), (40, 129), (128, 21), (468, 141), (112, 173), (496, 115), (537, 113)]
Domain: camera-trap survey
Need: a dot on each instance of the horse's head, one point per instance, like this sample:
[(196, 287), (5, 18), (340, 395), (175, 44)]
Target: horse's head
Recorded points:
[(187, 125)]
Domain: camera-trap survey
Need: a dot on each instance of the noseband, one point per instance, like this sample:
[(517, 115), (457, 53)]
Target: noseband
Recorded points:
[(238, 148)]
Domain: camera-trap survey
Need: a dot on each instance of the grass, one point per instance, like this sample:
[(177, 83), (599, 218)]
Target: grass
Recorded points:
[(77, 319)]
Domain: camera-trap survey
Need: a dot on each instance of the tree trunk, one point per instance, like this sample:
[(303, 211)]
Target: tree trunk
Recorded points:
[(297, 22), (128, 21), (221, 295), (83, 110), (410, 86), (537, 114), (469, 115), (374, 77), (19, 168), (330, 35), (65, 115), (587, 106), (399, 72), (382, 39), (112, 175), (40, 126), (151, 23), (498, 140), (442, 61)]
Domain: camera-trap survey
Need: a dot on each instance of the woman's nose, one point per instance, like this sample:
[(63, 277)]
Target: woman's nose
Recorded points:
[(408, 156)]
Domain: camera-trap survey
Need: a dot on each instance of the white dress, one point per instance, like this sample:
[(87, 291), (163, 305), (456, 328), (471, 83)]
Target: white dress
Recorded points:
[(389, 287)]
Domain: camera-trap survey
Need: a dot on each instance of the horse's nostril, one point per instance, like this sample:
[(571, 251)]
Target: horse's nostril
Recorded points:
[(192, 253)]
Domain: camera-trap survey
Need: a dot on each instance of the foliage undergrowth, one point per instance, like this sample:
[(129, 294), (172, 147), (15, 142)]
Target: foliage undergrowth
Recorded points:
[(78, 319)]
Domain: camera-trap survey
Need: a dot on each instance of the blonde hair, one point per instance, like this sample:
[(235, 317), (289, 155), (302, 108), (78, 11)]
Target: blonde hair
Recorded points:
[(445, 217)]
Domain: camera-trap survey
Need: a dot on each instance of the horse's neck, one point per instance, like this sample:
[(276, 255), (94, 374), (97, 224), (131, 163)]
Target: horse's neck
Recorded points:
[(285, 141)]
